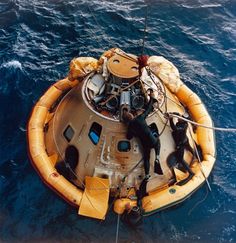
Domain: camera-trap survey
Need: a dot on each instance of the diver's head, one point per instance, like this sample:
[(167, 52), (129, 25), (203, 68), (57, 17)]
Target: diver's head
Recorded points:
[(181, 121)]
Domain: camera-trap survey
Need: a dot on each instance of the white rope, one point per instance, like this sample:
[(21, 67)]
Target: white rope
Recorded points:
[(205, 126), (195, 123), (145, 27), (117, 228)]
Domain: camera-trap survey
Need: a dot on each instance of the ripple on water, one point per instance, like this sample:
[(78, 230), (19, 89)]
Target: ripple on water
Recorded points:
[(14, 64)]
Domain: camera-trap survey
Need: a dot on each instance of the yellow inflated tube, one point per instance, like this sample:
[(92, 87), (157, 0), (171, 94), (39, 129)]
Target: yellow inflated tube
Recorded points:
[(175, 194), (36, 144)]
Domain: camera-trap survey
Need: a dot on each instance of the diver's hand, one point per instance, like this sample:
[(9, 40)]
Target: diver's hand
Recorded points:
[(175, 113), (152, 96), (170, 114), (167, 115), (151, 93)]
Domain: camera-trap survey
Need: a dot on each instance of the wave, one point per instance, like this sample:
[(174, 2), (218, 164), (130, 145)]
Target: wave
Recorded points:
[(202, 6), (22, 129), (12, 64), (14, 78)]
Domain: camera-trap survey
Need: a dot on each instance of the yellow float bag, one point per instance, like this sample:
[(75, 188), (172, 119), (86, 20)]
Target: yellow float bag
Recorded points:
[(94, 202), (81, 66), (166, 71)]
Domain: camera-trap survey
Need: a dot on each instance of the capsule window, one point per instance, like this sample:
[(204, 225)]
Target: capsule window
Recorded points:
[(116, 61), (124, 146), (68, 133), (95, 132)]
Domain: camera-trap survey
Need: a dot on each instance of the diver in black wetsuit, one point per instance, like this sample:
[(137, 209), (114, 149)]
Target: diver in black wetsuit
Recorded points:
[(181, 143), (137, 127)]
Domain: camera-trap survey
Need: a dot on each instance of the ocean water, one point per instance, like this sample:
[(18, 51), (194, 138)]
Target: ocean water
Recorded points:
[(38, 38)]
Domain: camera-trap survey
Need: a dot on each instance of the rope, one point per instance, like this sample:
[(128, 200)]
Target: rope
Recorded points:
[(164, 93), (181, 106), (165, 97), (131, 170), (163, 129), (92, 34), (99, 27), (126, 56), (145, 27), (148, 70), (120, 184), (185, 119), (205, 126), (117, 228), (199, 160), (198, 203)]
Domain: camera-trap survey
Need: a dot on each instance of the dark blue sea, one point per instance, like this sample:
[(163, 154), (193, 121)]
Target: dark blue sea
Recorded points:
[(38, 38)]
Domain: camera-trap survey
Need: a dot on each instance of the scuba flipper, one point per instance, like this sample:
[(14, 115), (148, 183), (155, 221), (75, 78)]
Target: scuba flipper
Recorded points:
[(184, 181), (142, 192), (157, 167), (142, 189)]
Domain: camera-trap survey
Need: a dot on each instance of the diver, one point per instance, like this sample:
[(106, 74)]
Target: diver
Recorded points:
[(179, 133), (132, 216), (137, 127)]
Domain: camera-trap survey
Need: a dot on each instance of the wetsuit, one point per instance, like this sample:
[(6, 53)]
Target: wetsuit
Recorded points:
[(181, 142), (139, 128)]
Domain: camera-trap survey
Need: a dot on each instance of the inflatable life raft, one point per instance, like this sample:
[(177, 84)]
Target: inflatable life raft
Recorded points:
[(77, 139)]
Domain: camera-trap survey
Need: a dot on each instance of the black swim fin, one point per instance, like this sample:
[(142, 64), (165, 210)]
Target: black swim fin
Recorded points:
[(184, 181), (157, 168), (142, 192)]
